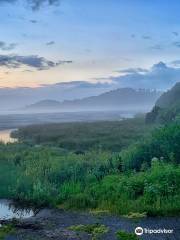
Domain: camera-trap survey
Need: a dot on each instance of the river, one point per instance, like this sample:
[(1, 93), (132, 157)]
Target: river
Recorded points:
[(54, 224), (9, 211)]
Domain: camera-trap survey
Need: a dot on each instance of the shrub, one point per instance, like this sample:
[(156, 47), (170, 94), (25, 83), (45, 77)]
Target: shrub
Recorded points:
[(121, 235)]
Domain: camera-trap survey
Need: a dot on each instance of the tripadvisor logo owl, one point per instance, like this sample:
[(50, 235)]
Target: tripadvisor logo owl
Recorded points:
[(139, 231)]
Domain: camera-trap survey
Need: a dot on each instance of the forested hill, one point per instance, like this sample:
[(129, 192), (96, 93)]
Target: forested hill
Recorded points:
[(119, 99), (170, 98), (167, 107)]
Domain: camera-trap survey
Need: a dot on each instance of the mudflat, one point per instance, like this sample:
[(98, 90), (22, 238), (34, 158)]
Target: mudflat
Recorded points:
[(54, 224)]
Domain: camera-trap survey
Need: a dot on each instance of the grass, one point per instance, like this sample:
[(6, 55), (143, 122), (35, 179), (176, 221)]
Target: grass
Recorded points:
[(99, 212), (136, 215), (121, 235), (92, 181), (6, 230), (144, 178), (95, 230)]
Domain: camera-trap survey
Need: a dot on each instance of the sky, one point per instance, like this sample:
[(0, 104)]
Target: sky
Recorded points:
[(52, 41)]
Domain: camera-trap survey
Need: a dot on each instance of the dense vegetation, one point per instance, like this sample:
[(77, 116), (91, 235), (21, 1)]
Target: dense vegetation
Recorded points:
[(144, 178), (170, 98), (167, 107), (79, 137), (163, 143)]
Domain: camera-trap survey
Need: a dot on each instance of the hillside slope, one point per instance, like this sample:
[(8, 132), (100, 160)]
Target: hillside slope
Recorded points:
[(167, 107)]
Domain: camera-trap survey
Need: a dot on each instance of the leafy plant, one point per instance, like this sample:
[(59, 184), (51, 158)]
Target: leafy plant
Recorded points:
[(121, 235), (5, 230), (96, 230)]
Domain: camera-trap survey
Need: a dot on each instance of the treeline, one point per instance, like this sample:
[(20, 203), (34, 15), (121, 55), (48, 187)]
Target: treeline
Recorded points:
[(105, 135)]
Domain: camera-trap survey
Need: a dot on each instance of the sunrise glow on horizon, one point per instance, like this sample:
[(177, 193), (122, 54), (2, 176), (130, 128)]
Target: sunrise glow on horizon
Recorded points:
[(83, 41)]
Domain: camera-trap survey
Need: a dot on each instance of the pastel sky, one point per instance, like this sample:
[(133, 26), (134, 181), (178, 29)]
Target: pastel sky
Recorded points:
[(46, 42)]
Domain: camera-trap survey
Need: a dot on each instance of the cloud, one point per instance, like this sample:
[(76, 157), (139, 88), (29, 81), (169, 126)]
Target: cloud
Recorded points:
[(133, 70), (32, 61), (33, 21), (7, 47), (157, 47), (175, 63), (175, 33), (176, 44), (159, 76), (8, 1), (146, 37), (35, 4), (50, 43), (133, 35)]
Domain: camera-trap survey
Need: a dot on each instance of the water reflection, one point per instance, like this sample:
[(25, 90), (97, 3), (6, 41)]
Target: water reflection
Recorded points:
[(9, 210)]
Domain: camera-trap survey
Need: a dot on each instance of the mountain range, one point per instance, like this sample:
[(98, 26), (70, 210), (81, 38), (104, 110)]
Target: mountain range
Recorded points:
[(125, 99), (160, 76), (16, 98)]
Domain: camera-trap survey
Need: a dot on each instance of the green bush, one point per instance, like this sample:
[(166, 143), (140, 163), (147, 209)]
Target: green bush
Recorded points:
[(121, 235), (5, 230), (163, 143), (96, 230)]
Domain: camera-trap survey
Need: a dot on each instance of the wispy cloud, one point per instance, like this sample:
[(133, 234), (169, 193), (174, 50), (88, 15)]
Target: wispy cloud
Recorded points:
[(33, 61), (160, 76), (7, 46), (146, 37), (33, 21), (157, 47), (35, 4), (175, 34), (133, 70), (175, 63), (176, 44), (50, 43)]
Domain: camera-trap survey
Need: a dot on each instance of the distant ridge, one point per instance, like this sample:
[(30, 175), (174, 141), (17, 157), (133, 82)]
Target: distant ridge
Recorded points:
[(44, 104), (119, 99)]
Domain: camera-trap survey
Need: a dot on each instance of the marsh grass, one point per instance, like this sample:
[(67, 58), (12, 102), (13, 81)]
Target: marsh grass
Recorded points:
[(95, 230), (121, 235), (6, 230), (121, 183)]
